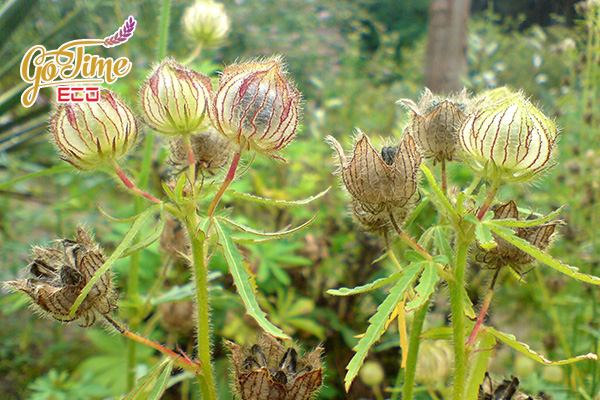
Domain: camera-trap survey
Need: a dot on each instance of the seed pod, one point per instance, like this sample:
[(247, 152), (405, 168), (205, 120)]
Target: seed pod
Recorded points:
[(59, 274), (507, 137), (205, 23), (175, 99), (256, 106), (269, 371), (211, 151), (434, 123), (91, 134), (506, 253)]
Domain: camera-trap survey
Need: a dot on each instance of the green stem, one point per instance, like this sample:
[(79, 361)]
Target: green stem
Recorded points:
[(457, 307), (413, 351), (206, 380), (163, 29), (444, 178)]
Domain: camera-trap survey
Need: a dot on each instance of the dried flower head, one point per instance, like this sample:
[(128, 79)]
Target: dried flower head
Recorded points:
[(269, 371), (507, 137), (435, 121), (59, 274), (205, 23), (211, 151), (505, 390), (380, 184), (91, 134), (175, 99), (506, 253), (256, 106)]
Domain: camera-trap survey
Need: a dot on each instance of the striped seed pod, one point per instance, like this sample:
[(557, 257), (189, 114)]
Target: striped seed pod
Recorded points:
[(256, 106), (434, 123), (507, 137), (59, 273), (91, 134), (175, 99)]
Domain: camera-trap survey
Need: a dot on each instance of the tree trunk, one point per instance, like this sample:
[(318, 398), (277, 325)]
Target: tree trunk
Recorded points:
[(446, 63)]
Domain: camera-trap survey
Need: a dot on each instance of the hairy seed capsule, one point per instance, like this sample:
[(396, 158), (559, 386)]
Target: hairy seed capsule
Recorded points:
[(269, 371), (59, 274), (91, 134), (507, 137), (175, 99), (256, 106), (211, 151), (205, 23)]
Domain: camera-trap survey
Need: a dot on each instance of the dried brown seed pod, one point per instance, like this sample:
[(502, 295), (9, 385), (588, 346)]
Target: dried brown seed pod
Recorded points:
[(269, 371), (506, 253), (211, 151), (59, 274), (505, 390), (380, 184), (434, 123)]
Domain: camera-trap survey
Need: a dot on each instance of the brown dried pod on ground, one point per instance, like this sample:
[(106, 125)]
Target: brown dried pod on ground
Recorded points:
[(269, 371), (505, 390), (506, 253), (434, 123), (60, 273)]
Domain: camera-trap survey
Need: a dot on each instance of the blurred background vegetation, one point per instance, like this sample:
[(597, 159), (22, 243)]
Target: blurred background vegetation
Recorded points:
[(352, 60)]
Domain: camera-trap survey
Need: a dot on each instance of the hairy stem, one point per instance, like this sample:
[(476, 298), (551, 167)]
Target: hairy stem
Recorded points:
[(490, 198), (479, 368), (444, 178), (483, 311), (413, 351), (457, 304), (206, 380), (408, 240), (129, 185)]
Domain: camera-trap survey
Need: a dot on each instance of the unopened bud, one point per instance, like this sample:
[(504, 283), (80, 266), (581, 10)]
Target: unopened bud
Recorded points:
[(59, 274), (256, 106), (91, 134), (507, 137), (206, 23), (371, 373), (175, 99)]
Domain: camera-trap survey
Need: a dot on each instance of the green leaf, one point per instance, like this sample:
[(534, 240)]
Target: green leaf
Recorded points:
[(277, 234), (443, 332), (483, 233), (442, 243), (533, 251), (365, 288), (440, 200), (152, 385), (121, 248), (378, 320), (57, 169), (283, 203), (525, 349), (426, 286), (241, 277), (527, 222), (153, 237)]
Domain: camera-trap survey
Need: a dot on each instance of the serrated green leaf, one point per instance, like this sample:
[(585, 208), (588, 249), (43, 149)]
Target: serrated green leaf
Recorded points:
[(471, 218), (442, 243), (242, 281), (277, 234), (148, 240), (152, 385), (483, 233), (376, 284), (378, 320), (511, 222), (414, 257), (283, 203), (538, 254), (524, 348), (429, 278), (121, 248)]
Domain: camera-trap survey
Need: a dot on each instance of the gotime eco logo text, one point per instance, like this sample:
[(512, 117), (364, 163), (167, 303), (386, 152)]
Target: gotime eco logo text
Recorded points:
[(72, 70)]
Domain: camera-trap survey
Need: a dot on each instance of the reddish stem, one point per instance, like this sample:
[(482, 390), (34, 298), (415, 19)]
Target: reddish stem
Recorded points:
[(483, 311), (408, 240), (490, 198), (226, 182), (131, 186)]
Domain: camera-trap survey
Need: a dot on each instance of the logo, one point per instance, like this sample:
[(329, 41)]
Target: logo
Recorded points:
[(74, 72)]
